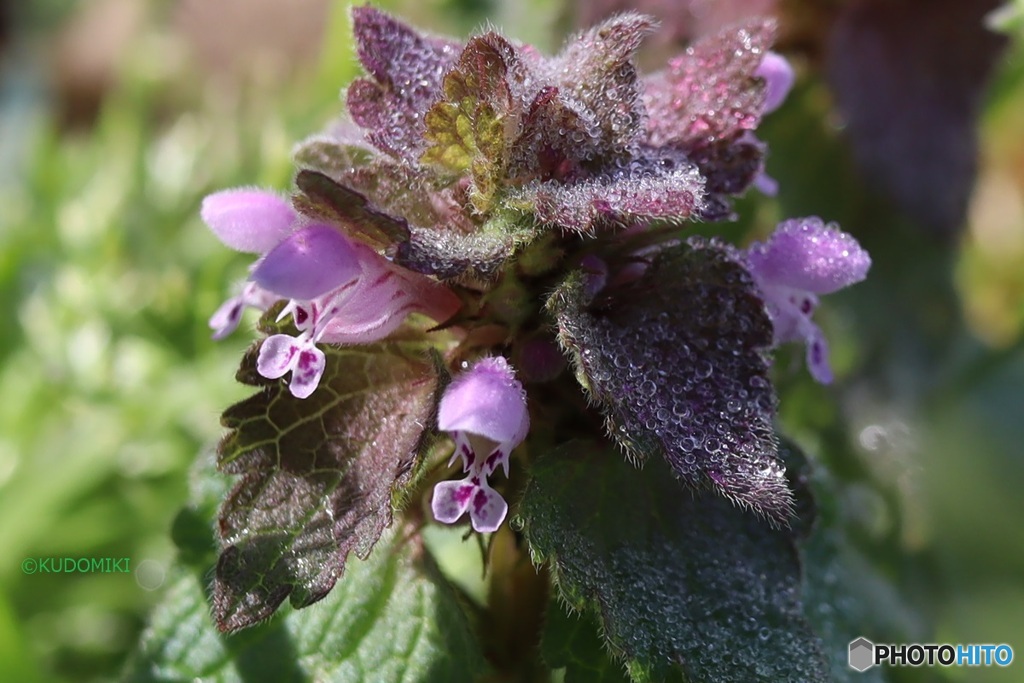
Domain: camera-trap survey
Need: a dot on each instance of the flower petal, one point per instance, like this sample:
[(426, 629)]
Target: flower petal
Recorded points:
[(486, 400), (384, 295), (487, 510), (277, 354), (307, 371), (310, 262), (806, 254), (766, 185), (817, 354), (779, 77), (225, 319), (451, 499), (248, 220)]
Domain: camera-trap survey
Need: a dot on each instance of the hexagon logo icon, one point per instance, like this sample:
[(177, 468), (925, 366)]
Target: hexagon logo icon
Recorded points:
[(862, 654)]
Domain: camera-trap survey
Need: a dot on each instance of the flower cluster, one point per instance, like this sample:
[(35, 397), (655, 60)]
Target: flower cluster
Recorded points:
[(530, 208)]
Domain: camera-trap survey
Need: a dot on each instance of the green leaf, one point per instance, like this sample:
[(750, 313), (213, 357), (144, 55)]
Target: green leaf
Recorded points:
[(326, 199), (319, 475), (470, 128), (676, 359), (449, 253), (333, 157), (392, 618), (572, 642), (846, 596), (683, 584)]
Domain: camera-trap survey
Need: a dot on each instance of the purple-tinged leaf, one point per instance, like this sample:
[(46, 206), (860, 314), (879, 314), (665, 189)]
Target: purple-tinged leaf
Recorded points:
[(327, 200), (681, 21), (685, 586), (676, 360), (318, 475), (908, 79), (406, 69), (729, 166), (595, 72), (711, 91), (397, 55), (615, 200), (550, 143), (452, 254)]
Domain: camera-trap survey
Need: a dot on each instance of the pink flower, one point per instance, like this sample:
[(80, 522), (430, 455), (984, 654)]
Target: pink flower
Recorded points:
[(484, 409), (339, 291), (802, 259), (779, 78), (364, 309), (252, 221)]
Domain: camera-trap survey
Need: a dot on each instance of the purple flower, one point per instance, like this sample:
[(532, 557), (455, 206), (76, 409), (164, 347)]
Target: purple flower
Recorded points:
[(779, 77), (225, 319), (252, 221), (804, 258), (248, 220), (339, 291), (484, 409), (364, 309)]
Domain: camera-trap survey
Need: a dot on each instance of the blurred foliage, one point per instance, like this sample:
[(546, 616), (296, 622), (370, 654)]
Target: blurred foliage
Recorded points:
[(110, 385)]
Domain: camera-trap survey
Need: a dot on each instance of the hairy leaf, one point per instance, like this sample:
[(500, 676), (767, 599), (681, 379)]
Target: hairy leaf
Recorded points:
[(846, 596), (572, 642), (595, 72), (336, 149), (470, 128), (729, 166), (451, 253), (676, 361), (710, 91), (909, 79), (406, 69), (393, 618), (551, 140), (683, 584), (621, 199), (680, 20), (328, 200), (319, 475)]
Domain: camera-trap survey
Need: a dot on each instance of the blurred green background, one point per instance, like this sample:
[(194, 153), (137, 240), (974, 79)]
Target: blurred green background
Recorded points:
[(118, 116)]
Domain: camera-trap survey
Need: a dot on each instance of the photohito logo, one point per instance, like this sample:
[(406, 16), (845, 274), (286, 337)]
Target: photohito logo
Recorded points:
[(864, 654)]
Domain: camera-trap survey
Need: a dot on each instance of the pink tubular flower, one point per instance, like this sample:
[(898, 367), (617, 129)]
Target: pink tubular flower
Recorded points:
[(252, 221), (778, 76), (339, 291), (364, 309), (484, 409), (802, 259)]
